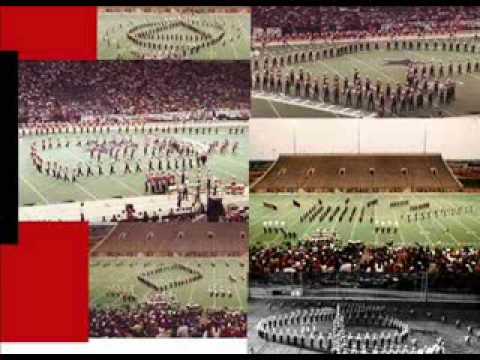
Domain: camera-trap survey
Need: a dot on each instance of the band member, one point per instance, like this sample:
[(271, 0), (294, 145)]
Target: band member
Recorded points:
[(127, 168)]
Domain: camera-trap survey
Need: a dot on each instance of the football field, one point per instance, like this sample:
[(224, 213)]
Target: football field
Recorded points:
[(448, 321), (453, 231), (36, 188), (120, 275), (117, 46), (263, 108), (372, 64)]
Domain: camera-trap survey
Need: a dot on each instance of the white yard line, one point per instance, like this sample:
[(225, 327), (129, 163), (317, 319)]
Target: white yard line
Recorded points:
[(418, 223), (375, 235), (260, 219), (292, 216), (313, 105), (246, 33), (114, 178), (193, 289), (239, 164), (468, 229), (34, 189), (474, 76), (315, 223), (434, 59), (214, 274), (102, 294), (86, 191), (121, 183), (235, 53), (198, 218), (374, 68), (423, 231), (330, 68), (277, 114), (454, 238), (472, 217), (355, 222), (226, 173), (239, 298), (103, 240), (400, 233)]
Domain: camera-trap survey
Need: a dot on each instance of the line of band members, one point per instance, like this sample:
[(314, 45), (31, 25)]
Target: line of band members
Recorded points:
[(58, 170), (169, 147), (442, 212), (146, 278), (286, 55), (88, 129), (424, 84), (418, 92)]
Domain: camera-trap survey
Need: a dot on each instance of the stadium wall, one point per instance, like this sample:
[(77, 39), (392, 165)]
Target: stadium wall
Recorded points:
[(417, 135)]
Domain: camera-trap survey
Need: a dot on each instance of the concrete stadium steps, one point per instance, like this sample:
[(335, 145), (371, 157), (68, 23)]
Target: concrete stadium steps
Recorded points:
[(202, 239), (362, 172)]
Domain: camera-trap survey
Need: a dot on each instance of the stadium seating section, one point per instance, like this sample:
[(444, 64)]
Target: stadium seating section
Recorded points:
[(358, 173), (181, 239)]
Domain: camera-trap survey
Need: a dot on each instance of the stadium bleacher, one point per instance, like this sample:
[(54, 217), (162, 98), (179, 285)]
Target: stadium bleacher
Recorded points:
[(182, 239), (358, 173)]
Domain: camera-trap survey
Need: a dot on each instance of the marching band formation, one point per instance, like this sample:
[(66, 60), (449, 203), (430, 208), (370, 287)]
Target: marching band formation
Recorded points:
[(153, 278), (163, 157), (179, 36), (321, 212), (156, 37), (302, 328), (427, 84)]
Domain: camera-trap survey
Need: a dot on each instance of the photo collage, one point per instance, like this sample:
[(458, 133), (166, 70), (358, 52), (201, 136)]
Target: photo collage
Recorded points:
[(306, 177)]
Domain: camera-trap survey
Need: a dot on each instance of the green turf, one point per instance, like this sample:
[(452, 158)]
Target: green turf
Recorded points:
[(262, 108), (122, 48), (38, 188), (463, 230), (371, 64), (117, 274)]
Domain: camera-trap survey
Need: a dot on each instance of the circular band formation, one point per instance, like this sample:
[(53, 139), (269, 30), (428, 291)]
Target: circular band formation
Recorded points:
[(302, 329)]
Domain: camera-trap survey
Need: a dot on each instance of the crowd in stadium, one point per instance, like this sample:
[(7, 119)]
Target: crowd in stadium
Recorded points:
[(322, 258), (337, 22), (160, 320), (153, 216), (68, 90)]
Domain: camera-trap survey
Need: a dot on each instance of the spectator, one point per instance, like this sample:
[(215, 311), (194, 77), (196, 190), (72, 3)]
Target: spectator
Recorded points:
[(66, 91)]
